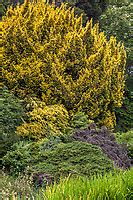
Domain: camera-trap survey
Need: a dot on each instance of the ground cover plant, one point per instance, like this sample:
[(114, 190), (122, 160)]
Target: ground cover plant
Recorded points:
[(57, 158), (56, 59)]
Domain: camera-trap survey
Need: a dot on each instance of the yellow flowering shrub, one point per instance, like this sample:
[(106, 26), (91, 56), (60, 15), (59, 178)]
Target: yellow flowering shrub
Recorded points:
[(43, 121), (48, 53)]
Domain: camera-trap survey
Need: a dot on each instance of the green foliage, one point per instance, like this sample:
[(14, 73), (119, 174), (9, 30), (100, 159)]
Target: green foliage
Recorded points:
[(17, 158), (56, 158), (92, 8), (126, 138), (124, 117), (118, 2), (57, 60), (23, 153), (80, 120), (74, 158), (129, 81), (11, 115), (95, 8), (110, 186), (116, 21)]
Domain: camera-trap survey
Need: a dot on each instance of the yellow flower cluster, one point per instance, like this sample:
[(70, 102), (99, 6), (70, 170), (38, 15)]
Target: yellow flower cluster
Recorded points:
[(48, 53)]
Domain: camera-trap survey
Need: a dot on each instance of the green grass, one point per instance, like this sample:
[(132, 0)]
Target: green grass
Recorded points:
[(111, 187), (117, 186)]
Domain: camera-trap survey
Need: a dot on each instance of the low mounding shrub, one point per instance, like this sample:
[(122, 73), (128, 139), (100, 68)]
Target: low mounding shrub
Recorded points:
[(56, 158), (73, 158), (106, 140), (127, 140), (44, 121), (58, 60)]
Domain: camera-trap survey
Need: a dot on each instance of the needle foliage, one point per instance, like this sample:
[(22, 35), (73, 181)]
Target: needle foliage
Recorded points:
[(48, 53)]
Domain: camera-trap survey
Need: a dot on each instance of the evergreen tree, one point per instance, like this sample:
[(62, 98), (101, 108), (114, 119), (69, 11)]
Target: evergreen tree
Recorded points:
[(56, 59)]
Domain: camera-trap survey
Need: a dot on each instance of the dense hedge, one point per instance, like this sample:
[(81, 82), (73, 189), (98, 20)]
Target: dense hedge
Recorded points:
[(56, 59)]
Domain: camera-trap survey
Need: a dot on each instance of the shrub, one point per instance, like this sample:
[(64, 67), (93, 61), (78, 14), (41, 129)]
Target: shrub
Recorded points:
[(17, 158), (73, 158), (56, 158), (44, 121), (59, 61), (106, 140), (23, 153), (12, 113), (126, 139), (80, 120)]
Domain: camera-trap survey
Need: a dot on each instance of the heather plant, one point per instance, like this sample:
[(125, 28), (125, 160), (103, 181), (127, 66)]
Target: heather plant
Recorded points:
[(56, 59), (107, 142)]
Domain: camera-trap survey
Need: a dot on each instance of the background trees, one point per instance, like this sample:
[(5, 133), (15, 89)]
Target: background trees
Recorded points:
[(116, 20)]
